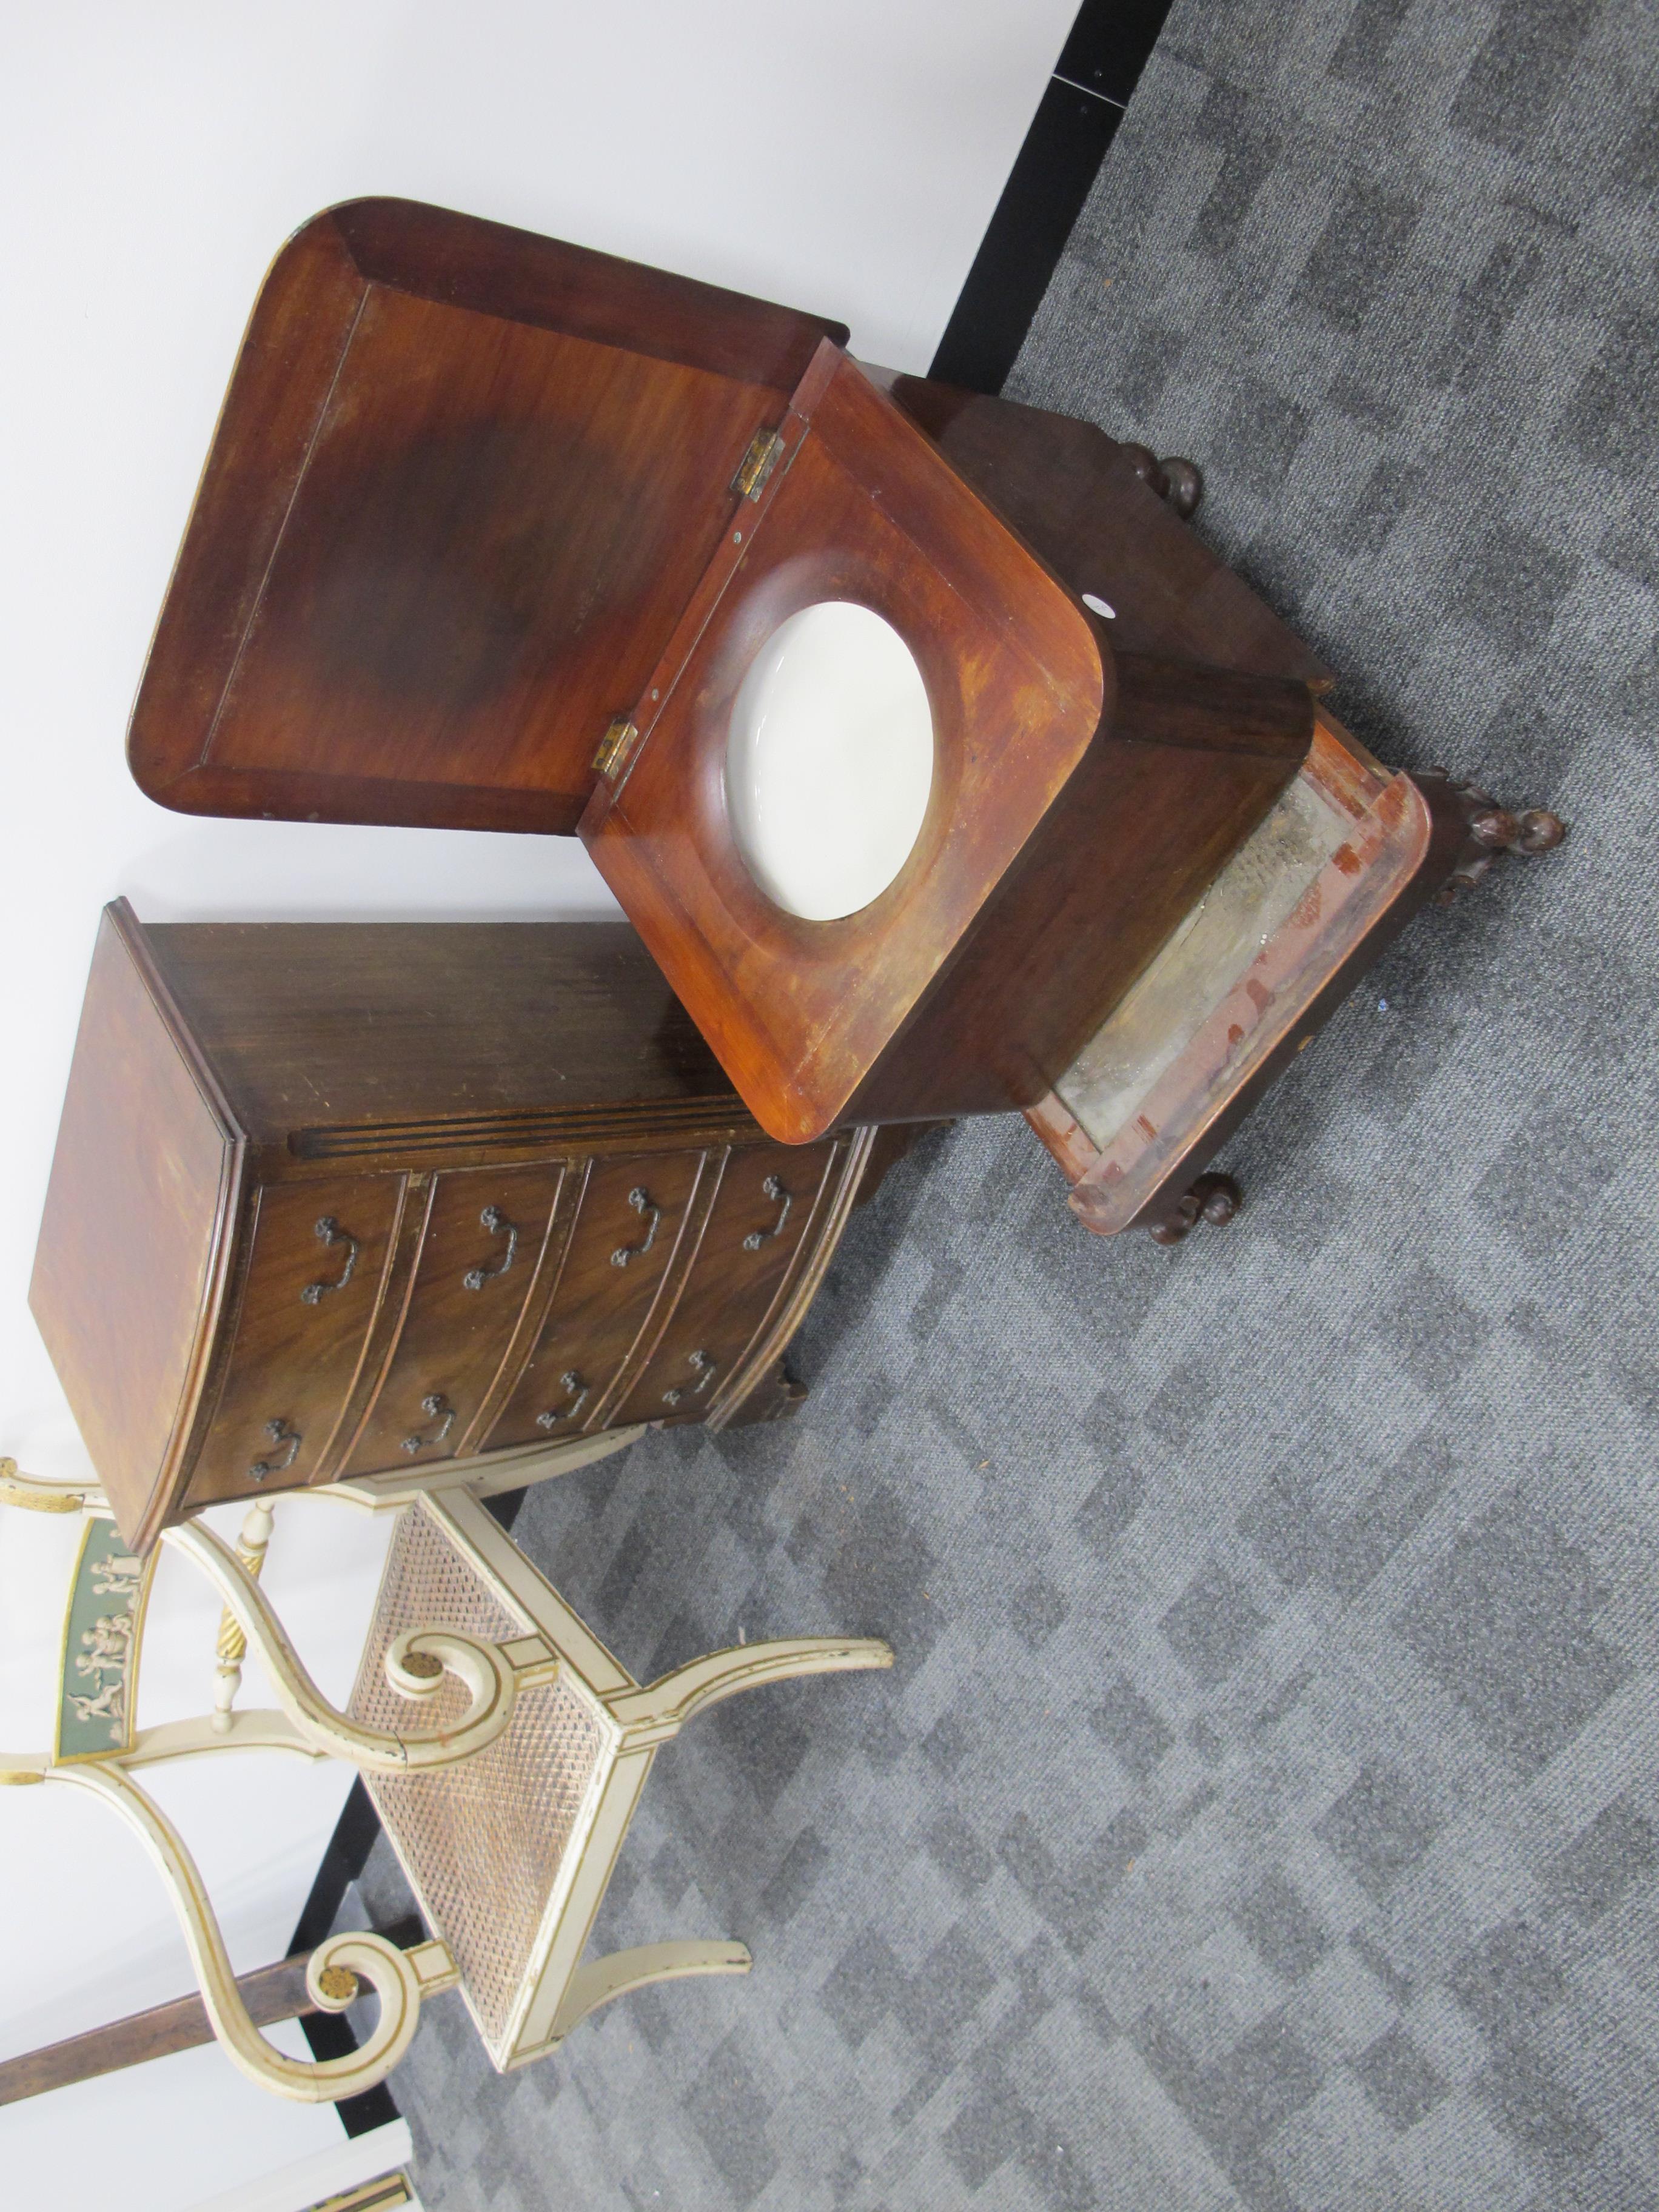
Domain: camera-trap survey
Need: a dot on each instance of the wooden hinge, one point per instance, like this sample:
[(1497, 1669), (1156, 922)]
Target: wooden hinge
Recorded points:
[(765, 451), (618, 741)]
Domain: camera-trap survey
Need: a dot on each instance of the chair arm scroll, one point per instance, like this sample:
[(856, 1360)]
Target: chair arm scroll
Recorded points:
[(416, 1665), (337, 1968), (35, 1495)]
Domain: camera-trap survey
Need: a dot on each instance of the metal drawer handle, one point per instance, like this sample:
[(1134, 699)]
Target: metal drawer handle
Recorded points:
[(432, 1407), (773, 1189), (330, 1232), (495, 1221), (639, 1199), (280, 1433), (572, 1381), (704, 1366)]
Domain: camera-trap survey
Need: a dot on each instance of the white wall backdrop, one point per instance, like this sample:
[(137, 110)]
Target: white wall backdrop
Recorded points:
[(154, 156)]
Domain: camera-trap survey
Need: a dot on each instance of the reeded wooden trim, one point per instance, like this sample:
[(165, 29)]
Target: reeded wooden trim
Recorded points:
[(717, 1119)]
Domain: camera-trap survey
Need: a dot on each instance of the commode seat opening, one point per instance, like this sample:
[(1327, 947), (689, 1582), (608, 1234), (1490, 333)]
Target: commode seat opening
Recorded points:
[(830, 760)]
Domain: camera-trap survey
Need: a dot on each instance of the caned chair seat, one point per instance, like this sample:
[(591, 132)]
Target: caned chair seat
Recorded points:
[(483, 1843), (509, 1851)]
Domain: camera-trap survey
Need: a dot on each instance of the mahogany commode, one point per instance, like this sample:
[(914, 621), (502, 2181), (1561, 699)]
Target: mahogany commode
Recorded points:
[(331, 1199), (492, 529)]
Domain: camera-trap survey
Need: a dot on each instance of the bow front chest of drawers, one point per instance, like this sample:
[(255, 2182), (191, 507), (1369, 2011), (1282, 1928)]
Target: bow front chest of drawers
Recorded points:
[(329, 1199)]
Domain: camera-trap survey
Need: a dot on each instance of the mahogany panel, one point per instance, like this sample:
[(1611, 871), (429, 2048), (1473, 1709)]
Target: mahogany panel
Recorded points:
[(601, 1303), (135, 1240), (296, 334), (463, 482), (863, 509), (315, 1277), (495, 534), (492, 269), (1193, 761), (1073, 494), (484, 1232), (336, 1041)]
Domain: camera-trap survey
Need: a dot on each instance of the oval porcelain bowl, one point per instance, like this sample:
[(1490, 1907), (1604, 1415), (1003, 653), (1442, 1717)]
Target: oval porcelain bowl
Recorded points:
[(829, 760)]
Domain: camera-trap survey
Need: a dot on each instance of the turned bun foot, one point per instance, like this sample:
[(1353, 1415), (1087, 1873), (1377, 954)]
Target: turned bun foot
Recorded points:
[(1183, 485), (1493, 830), (1534, 831), (1178, 482), (1213, 1197)]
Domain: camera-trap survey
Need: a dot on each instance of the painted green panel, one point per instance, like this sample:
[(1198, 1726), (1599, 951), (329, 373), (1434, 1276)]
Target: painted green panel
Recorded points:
[(99, 1687)]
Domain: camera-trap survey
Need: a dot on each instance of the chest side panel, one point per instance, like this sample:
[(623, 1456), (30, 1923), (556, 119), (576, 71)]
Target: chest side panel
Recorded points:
[(131, 1265), (342, 1040)]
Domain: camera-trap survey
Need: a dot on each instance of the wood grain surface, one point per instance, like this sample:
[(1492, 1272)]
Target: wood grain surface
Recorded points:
[(463, 482)]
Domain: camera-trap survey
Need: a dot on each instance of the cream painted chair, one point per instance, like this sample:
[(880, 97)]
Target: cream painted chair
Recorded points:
[(506, 1810)]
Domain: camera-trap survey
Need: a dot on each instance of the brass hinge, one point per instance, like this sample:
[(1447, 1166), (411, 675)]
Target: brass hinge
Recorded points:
[(765, 450), (616, 745)]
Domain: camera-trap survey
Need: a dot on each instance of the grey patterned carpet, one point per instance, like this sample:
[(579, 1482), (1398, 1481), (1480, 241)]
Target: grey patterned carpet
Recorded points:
[(1264, 1808)]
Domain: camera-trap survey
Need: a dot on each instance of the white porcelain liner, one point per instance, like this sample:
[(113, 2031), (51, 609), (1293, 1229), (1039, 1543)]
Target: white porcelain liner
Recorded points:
[(830, 760)]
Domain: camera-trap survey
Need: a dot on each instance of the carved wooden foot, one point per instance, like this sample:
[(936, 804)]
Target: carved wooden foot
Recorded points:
[(1180, 483), (1214, 1198), (776, 1397), (1493, 830)]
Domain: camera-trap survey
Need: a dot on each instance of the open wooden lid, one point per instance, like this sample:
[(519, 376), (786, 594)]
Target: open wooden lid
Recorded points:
[(859, 507), (463, 483)]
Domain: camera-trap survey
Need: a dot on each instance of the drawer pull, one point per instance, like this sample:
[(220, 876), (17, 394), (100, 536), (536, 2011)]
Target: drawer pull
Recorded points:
[(432, 1407), (639, 1199), (330, 1232), (280, 1433), (554, 1414), (773, 1189), (704, 1366), (495, 1221)]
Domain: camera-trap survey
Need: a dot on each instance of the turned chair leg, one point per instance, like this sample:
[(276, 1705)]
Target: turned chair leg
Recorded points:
[(1212, 1198)]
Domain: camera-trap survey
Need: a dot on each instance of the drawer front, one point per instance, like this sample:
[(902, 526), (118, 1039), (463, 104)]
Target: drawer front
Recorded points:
[(765, 1200), (479, 1255), (315, 1278), (627, 1232)]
